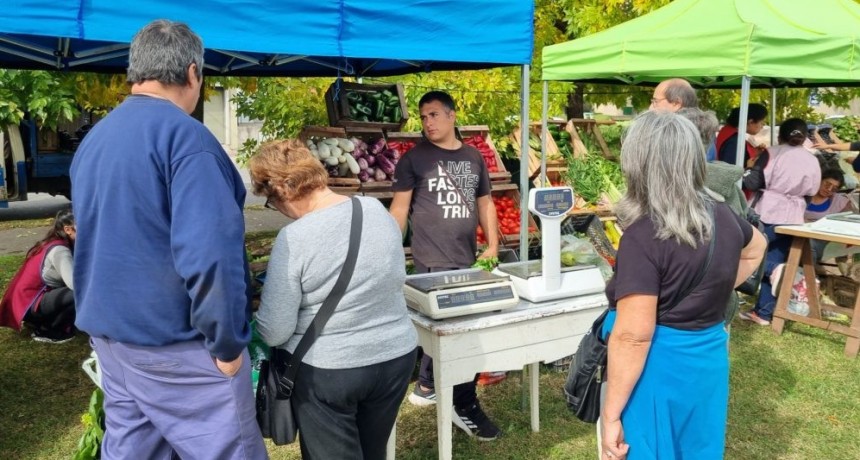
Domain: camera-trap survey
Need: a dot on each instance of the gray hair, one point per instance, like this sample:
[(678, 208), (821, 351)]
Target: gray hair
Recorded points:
[(162, 51), (680, 90), (663, 162), (705, 122)]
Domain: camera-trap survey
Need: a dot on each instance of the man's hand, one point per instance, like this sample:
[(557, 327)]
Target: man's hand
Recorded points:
[(490, 252), (229, 368)]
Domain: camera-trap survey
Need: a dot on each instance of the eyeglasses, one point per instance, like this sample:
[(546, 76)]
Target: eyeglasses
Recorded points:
[(655, 100), (269, 204)]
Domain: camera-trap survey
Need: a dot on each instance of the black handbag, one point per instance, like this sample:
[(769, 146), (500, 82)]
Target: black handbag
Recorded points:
[(587, 371), (751, 285), (278, 373)]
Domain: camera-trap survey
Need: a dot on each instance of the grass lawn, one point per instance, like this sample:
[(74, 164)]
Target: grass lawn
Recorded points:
[(793, 396)]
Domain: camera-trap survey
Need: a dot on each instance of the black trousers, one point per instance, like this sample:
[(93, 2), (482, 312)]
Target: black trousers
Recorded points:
[(55, 314), (465, 394), (348, 414)]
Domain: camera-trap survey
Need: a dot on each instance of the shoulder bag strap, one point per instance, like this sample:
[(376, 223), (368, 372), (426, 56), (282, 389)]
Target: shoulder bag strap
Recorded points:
[(704, 268), (328, 306)]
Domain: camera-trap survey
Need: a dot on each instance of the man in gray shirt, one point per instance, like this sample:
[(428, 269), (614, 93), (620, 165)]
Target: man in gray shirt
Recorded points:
[(445, 187)]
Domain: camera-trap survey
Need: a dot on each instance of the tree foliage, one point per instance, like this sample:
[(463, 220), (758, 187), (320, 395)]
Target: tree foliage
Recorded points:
[(47, 98)]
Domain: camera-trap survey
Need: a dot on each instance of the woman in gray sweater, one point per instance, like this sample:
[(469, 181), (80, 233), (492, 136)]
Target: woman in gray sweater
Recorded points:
[(352, 380)]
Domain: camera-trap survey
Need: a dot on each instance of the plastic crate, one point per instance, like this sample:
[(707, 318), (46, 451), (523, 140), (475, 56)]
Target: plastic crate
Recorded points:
[(591, 226), (337, 105)]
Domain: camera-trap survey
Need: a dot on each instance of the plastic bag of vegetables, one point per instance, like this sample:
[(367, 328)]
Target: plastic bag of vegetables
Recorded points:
[(577, 251)]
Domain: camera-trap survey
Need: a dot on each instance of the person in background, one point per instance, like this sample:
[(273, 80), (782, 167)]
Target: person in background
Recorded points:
[(827, 201), (42, 292), (791, 174), (673, 95), (352, 380), (727, 138), (654, 350), (444, 186), (160, 271), (842, 147)]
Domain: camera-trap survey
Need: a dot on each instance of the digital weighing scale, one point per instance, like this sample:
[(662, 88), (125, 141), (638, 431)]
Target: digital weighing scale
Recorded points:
[(459, 292), (542, 280)]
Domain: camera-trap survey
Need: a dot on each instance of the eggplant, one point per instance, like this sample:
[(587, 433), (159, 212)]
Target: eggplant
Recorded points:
[(362, 163), (378, 146), (385, 164), (363, 176), (380, 175), (332, 171), (391, 154), (371, 160)]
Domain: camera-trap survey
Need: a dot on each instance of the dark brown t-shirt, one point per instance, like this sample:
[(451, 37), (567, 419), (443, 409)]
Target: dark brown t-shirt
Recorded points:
[(648, 266), (445, 185)]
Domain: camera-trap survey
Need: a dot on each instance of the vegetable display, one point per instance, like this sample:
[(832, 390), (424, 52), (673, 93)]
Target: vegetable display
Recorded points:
[(487, 153), (374, 106), (353, 157), (401, 146), (562, 140), (508, 215), (595, 179)]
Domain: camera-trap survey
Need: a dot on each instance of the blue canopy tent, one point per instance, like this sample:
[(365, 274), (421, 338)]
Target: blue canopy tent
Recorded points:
[(265, 38), (296, 38)]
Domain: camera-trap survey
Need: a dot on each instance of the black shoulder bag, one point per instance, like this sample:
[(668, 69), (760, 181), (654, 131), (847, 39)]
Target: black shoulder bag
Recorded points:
[(582, 388), (278, 374)]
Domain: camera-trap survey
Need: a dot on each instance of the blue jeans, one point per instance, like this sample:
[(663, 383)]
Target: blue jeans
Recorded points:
[(777, 253)]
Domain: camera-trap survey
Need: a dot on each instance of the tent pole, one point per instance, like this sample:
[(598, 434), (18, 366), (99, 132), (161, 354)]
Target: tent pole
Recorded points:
[(524, 165), (543, 133), (773, 116), (742, 121)]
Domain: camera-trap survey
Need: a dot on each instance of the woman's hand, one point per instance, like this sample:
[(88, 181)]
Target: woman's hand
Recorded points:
[(614, 447), (229, 368)]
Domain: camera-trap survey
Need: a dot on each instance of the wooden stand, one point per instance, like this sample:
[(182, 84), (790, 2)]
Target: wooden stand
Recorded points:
[(592, 127), (801, 253)]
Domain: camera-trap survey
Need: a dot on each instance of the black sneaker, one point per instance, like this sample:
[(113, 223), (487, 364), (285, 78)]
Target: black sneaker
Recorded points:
[(46, 337), (475, 423), (421, 397)]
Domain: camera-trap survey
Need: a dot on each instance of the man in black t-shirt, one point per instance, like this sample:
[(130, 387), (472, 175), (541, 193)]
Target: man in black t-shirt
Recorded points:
[(445, 187)]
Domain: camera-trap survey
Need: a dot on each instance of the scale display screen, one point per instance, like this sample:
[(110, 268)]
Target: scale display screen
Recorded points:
[(552, 202), (478, 296), (452, 279)]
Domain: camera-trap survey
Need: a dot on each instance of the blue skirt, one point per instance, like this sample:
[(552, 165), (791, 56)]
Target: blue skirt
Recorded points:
[(678, 408)]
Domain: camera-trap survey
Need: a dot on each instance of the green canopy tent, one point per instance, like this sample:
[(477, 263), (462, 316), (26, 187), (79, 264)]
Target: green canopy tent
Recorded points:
[(721, 44)]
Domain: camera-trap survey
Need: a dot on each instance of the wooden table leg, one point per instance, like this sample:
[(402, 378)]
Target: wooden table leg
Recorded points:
[(788, 273), (852, 345), (389, 448), (534, 392), (813, 294)]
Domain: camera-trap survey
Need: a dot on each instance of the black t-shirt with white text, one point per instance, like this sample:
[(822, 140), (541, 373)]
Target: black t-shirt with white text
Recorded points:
[(445, 185)]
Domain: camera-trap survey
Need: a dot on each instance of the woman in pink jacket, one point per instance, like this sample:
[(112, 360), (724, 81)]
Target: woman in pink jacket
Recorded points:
[(791, 174)]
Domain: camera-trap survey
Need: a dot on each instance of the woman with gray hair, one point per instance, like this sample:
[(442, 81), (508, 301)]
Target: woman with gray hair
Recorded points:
[(665, 325)]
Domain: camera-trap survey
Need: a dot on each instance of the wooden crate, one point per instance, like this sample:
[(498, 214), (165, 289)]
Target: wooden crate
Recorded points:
[(337, 106), (513, 240), (534, 156), (502, 174), (349, 183), (841, 289), (592, 127)]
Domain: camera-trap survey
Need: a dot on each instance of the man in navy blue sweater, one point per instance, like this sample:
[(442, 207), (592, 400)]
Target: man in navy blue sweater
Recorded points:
[(160, 265)]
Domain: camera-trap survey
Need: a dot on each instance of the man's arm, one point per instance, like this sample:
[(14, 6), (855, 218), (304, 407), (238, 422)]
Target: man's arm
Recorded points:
[(400, 208), (490, 223)]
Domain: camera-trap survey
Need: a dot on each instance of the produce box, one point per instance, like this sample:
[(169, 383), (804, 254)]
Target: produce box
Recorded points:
[(478, 136), (403, 141), (841, 289), (368, 106), (553, 154), (352, 157), (508, 213)]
